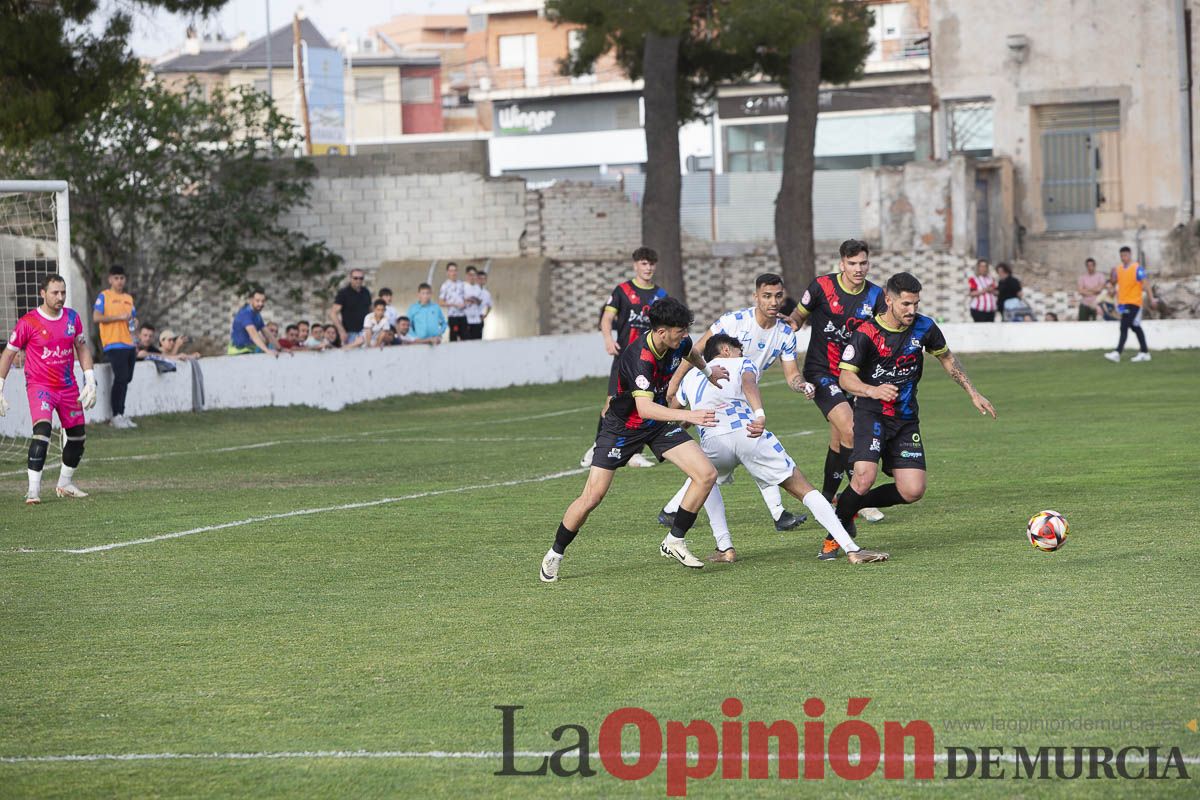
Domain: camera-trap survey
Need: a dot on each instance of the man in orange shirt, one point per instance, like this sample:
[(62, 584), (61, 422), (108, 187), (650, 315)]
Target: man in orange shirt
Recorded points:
[(1130, 278), (116, 316)]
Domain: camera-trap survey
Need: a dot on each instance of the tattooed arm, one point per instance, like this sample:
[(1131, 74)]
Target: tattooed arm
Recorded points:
[(795, 380), (954, 369)]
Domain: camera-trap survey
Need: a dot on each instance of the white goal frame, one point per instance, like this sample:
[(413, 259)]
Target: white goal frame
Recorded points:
[(62, 212)]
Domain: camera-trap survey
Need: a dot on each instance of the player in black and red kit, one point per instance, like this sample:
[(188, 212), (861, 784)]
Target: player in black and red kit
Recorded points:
[(626, 314), (638, 417), (881, 366), (834, 305)]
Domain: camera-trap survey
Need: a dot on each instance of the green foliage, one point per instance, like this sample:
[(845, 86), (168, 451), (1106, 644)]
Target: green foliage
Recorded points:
[(771, 28), (177, 189), (59, 62)]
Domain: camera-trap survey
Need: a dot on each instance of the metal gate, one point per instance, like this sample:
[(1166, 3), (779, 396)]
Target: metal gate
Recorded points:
[(1072, 168)]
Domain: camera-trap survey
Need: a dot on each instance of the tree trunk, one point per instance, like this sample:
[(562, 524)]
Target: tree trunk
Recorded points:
[(793, 206), (660, 205)]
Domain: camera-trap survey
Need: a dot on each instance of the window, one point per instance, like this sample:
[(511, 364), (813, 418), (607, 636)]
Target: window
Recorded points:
[(512, 51), (969, 127), (416, 90), (368, 90), (754, 148)]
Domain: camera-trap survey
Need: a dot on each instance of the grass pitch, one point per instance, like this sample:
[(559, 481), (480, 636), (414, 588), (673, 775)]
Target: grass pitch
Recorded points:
[(397, 627)]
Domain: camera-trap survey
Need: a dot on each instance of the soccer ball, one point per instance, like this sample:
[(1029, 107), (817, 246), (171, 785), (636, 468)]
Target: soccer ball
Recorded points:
[(1047, 531)]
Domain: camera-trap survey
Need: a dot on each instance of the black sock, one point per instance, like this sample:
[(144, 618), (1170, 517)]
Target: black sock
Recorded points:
[(883, 496), (684, 520), (833, 474), (847, 461), (849, 504), (563, 538)]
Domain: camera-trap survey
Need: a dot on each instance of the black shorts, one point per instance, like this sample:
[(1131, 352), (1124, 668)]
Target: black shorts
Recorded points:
[(829, 394), (898, 441), (614, 450)]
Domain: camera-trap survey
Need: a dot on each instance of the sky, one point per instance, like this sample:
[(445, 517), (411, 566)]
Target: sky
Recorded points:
[(156, 33)]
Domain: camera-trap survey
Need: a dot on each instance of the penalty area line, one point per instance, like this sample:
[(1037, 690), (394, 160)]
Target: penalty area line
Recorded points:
[(303, 512)]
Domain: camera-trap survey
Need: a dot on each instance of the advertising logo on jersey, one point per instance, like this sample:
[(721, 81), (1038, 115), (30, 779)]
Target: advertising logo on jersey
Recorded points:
[(903, 367), (57, 352)]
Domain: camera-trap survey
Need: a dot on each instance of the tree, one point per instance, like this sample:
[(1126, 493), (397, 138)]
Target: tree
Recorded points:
[(673, 45), (58, 63), (176, 188), (799, 43)]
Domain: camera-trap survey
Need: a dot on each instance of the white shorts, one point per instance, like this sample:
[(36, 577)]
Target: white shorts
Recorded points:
[(764, 458)]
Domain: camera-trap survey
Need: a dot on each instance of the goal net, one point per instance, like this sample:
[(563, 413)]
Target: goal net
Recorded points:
[(35, 239)]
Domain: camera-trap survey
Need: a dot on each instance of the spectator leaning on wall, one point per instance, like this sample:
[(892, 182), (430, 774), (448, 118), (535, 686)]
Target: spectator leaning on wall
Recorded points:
[(350, 306), (316, 337), (1090, 284), (428, 322), (246, 334), (983, 293)]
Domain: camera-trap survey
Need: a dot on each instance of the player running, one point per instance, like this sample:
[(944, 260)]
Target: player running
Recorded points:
[(834, 305), (627, 309), (881, 366), (740, 437), (764, 338), (52, 337), (637, 417)]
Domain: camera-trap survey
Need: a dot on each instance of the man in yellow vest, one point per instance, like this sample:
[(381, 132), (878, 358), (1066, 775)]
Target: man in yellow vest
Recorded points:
[(1130, 277), (116, 316)]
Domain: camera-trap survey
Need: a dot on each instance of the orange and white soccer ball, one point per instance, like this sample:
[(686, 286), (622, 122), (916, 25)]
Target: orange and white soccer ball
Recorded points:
[(1047, 531)]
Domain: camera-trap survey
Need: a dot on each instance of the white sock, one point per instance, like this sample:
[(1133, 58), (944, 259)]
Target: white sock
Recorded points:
[(714, 506), (673, 504), (35, 481), (825, 515), (64, 475), (774, 501)]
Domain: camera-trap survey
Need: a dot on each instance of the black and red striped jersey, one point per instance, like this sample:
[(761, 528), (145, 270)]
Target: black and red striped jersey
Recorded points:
[(882, 355), (833, 314), (645, 372), (630, 302)]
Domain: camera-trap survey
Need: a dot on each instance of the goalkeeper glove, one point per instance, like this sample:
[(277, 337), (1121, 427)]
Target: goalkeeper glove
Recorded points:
[(87, 396), (3, 402)]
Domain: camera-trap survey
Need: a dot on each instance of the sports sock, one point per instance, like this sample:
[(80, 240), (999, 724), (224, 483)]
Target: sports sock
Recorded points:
[(848, 504), (773, 500), (823, 511), (563, 538), (714, 506), (684, 520), (847, 454), (882, 497), (833, 474), (673, 504), (35, 481), (64, 475)]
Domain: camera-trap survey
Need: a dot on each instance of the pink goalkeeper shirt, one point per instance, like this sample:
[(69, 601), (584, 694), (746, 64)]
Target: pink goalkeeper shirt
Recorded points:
[(49, 346)]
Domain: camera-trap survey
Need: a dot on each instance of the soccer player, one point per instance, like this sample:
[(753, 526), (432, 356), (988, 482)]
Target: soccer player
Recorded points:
[(1129, 277), (881, 366), (627, 310), (834, 305), (740, 437), (638, 417), (52, 337), (764, 338)]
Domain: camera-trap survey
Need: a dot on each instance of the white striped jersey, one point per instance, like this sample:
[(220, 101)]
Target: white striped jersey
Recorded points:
[(728, 400), (760, 345)]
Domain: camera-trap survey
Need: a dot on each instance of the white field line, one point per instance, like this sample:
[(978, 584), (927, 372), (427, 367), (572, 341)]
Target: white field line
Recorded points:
[(479, 755), (306, 512)]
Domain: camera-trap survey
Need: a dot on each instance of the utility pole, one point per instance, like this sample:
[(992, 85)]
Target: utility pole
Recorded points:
[(299, 56)]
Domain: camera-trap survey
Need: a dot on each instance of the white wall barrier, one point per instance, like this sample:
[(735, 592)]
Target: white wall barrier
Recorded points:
[(336, 379)]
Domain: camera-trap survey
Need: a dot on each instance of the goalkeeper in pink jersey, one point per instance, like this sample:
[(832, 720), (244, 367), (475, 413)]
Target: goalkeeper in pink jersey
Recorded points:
[(52, 336)]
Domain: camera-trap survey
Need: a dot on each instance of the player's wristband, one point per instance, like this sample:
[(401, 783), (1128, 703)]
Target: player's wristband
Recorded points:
[(758, 412), (707, 371), (89, 376)]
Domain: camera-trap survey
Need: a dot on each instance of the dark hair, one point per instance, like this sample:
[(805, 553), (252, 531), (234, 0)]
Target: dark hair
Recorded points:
[(291, 328), (424, 286), (314, 326), (379, 303), (146, 326), (715, 342), (982, 261), (669, 313), (471, 268), (302, 322), (1125, 249), (116, 269), (1089, 260), (49, 279), (257, 290), (450, 264), (645, 254), (852, 247), (403, 319), (767, 279), (903, 282), (1004, 267), (384, 291)]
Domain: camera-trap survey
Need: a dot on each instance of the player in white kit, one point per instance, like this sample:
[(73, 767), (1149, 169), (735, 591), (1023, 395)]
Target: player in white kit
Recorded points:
[(740, 437), (764, 338)]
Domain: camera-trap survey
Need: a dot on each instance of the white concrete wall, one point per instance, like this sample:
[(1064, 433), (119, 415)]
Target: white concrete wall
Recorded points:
[(334, 380)]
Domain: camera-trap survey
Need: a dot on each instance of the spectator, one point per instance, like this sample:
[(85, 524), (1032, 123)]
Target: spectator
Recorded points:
[(375, 325), (1009, 295), (172, 344), (1090, 284), (145, 342), (1050, 317), (246, 335), (472, 297), (116, 316), (316, 337), (982, 288), (302, 328), (392, 312), (485, 301), (332, 342), (291, 337), (350, 307), (1106, 302), (451, 297), (428, 322), (404, 331), (1156, 306)]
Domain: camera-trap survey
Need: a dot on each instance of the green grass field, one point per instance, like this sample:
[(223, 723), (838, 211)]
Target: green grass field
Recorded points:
[(397, 627)]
